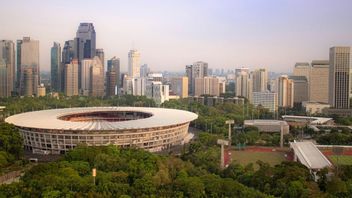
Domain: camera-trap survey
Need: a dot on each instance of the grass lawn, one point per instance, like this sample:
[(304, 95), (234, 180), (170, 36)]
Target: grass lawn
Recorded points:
[(342, 159), (246, 157)]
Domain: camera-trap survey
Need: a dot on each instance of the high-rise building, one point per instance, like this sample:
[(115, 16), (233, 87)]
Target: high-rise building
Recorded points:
[(114, 65), (189, 76), (138, 86), (319, 81), (302, 69), (110, 83), (207, 86), (28, 59), (179, 86), (144, 70), (100, 53), (243, 87), (265, 99), (340, 77), (300, 89), (55, 66), (92, 77), (157, 91), (96, 78), (7, 68), (197, 70), (260, 80), (84, 45), (71, 78), (134, 64), (68, 54), (285, 91)]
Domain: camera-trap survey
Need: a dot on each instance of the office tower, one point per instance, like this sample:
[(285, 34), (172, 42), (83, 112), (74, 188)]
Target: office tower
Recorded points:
[(28, 59), (110, 83), (84, 45), (340, 77), (100, 53), (127, 85), (260, 80), (302, 69), (96, 78), (179, 86), (68, 54), (144, 70), (189, 76), (243, 87), (134, 63), (114, 66), (71, 78), (92, 77), (7, 68), (300, 89), (285, 91), (55, 66), (157, 91), (265, 99), (319, 81), (207, 86)]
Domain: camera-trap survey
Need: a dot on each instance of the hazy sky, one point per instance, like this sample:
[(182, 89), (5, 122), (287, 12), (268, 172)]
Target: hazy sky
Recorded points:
[(170, 34)]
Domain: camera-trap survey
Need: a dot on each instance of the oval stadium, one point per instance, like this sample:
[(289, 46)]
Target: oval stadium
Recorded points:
[(56, 131)]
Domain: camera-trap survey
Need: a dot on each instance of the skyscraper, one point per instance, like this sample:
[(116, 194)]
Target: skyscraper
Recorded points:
[(340, 77), (260, 80), (71, 78), (285, 91), (197, 70), (301, 69), (114, 65), (243, 87), (300, 89), (96, 78), (207, 86), (84, 45), (7, 68), (189, 76), (100, 53), (110, 83), (68, 54), (28, 59), (55, 66), (134, 63), (319, 81), (92, 77)]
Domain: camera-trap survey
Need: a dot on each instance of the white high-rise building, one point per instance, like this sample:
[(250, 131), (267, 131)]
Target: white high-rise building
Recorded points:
[(340, 77), (157, 91), (139, 86), (197, 70), (134, 64), (266, 99), (144, 70), (243, 85)]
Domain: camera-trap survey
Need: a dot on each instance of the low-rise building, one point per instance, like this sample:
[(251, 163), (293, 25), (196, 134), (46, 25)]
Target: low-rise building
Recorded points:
[(269, 125), (315, 107)]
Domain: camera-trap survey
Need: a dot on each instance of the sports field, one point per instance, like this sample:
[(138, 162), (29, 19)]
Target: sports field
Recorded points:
[(252, 156), (341, 159)]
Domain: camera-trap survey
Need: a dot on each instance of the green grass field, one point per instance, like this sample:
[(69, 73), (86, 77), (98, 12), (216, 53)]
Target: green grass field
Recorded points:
[(246, 157), (342, 159)]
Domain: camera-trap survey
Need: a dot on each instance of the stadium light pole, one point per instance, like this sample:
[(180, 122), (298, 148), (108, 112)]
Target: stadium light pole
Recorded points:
[(222, 157), (230, 122)]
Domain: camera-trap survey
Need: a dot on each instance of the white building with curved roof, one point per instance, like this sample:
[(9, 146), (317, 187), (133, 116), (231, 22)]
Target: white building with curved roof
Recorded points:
[(59, 130)]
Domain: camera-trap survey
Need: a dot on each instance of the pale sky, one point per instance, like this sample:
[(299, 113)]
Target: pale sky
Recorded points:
[(171, 34)]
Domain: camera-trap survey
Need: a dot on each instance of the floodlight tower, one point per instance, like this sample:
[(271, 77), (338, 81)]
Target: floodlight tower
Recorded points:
[(229, 122), (222, 157)]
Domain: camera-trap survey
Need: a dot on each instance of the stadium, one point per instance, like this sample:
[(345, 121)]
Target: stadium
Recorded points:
[(56, 131)]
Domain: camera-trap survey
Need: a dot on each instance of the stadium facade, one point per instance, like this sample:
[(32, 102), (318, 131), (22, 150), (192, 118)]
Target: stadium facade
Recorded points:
[(56, 131)]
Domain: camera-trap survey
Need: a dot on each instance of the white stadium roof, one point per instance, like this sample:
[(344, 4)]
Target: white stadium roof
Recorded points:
[(48, 119)]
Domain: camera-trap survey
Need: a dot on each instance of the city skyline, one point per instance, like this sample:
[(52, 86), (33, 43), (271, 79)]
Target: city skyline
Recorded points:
[(225, 34)]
